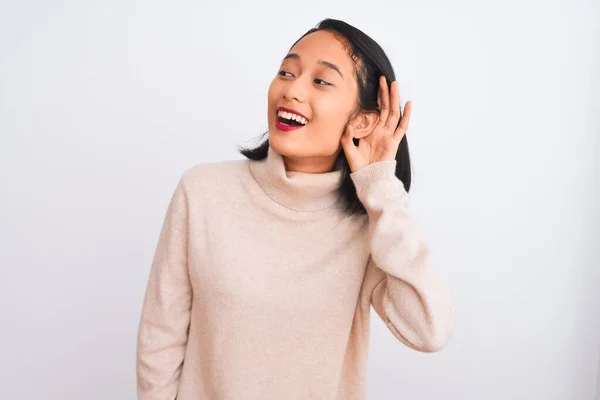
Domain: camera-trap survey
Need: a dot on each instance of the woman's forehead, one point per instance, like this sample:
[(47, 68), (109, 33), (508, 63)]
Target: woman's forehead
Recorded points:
[(323, 46)]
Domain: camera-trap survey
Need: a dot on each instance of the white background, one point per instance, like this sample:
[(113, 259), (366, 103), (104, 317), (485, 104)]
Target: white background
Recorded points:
[(104, 104)]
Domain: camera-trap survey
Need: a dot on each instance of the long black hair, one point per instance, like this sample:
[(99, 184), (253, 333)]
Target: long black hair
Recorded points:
[(371, 62)]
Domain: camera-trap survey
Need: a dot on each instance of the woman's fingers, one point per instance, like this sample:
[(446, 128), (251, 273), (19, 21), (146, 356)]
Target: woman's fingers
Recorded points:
[(350, 150), (403, 127), (384, 96), (394, 104), (388, 99)]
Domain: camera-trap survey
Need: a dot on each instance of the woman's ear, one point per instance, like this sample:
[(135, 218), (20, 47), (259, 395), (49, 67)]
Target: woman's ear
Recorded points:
[(364, 124)]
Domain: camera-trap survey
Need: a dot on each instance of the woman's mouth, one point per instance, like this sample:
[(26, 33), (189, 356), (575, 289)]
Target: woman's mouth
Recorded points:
[(287, 120)]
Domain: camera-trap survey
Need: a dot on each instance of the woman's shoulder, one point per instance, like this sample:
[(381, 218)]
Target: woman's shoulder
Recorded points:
[(213, 176), (212, 169)]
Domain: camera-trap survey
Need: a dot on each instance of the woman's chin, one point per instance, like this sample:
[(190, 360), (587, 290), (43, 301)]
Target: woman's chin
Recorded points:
[(283, 145)]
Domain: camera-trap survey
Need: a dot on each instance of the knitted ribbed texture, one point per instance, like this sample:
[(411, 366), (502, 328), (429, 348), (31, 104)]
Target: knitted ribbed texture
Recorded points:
[(261, 287)]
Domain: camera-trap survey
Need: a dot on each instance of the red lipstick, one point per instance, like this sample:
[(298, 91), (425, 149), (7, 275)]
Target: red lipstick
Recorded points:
[(290, 111), (283, 127)]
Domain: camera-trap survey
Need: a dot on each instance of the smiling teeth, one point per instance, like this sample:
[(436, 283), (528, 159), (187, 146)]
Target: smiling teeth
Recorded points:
[(295, 117)]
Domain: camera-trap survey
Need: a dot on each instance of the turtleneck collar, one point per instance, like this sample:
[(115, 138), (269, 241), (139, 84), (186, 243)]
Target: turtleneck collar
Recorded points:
[(300, 191)]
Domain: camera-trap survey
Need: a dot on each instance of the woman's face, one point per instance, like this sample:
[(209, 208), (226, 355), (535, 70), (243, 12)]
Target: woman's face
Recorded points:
[(317, 82)]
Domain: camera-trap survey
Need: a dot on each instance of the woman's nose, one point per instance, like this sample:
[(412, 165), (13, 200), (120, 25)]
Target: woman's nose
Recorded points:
[(295, 91)]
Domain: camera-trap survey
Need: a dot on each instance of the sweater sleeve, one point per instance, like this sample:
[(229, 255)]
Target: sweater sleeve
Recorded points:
[(408, 293), (165, 317)]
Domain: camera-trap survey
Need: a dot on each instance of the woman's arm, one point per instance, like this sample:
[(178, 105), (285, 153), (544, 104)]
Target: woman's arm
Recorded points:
[(163, 329), (408, 293)]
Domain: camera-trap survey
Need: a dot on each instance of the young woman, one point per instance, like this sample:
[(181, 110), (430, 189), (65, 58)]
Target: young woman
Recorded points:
[(266, 268)]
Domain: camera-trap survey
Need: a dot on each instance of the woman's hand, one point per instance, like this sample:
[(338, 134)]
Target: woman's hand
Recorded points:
[(383, 141)]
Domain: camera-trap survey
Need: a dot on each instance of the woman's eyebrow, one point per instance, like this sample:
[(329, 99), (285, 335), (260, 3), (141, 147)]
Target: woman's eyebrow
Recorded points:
[(322, 62)]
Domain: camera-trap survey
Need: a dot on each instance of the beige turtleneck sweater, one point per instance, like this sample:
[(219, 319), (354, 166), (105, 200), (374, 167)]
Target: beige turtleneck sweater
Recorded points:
[(261, 286)]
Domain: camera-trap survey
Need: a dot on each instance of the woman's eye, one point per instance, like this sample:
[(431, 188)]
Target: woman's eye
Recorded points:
[(322, 82), (283, 73)]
